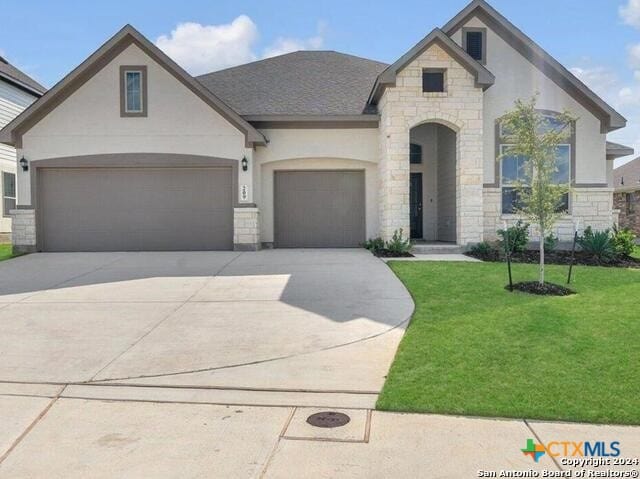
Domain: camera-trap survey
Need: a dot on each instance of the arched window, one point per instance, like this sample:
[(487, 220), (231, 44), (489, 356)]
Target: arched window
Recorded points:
[(512, 166)]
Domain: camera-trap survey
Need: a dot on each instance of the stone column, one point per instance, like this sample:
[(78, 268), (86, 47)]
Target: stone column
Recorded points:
[(246, 229), (23, 236)]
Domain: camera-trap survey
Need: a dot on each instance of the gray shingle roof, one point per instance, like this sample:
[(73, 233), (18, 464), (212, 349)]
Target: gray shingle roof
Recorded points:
[(299, 83), (630, 173), (15, 76)]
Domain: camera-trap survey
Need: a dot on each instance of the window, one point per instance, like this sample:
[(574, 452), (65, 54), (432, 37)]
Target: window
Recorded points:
[(512, 169), (415, 154), (475, 43), (433, 81), (133, 91), (8, 193), (630, 206)]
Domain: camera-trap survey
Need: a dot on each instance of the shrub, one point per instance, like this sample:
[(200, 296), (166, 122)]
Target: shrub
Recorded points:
[(486, 251), (624, 241), (398, 245), (550, 242), (598, 244), (374, 244), (518, 235)]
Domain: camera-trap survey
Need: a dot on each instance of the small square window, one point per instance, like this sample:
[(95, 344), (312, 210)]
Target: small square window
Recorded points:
[(433, 81), (474, 40)]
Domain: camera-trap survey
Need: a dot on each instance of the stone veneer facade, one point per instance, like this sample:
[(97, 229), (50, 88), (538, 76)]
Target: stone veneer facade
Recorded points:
[(628, 219), (589, 207), (23, 234), (405, 106), (246, 229)]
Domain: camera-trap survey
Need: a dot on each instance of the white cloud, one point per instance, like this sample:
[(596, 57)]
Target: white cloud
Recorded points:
[(630, 13), (206, 48), (623, 96), (284, 45)]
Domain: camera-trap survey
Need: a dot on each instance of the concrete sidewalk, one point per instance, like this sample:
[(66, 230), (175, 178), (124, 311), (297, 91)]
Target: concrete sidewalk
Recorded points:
[(48, 433)]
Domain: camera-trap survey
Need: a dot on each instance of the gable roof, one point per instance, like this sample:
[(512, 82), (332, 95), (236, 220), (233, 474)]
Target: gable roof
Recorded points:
[(484, 78), (12, 75), (627, 176), (298, 83), (12, 133), (610, 118)]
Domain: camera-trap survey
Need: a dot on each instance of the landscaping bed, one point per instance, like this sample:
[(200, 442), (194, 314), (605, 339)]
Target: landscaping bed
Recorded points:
[(386, 253), (475, 348), (558, 257)]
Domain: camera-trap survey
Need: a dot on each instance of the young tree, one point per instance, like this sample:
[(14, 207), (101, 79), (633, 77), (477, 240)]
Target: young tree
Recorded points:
[(534, 137)]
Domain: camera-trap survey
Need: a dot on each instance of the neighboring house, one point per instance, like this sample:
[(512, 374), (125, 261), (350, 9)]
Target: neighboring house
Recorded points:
[(17, 91), (626, 196), (309, 149)]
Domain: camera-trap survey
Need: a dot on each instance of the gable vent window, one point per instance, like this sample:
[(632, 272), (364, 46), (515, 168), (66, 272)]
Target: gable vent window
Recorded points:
[(133, 91), (474, 41), (433, 81)]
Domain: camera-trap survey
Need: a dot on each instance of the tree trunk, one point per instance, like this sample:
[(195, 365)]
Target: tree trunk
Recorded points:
[(541, 256)]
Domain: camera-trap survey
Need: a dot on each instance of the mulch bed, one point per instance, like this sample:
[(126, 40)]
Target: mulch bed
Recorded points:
[(559, 257), (546, 289), (385, 253)]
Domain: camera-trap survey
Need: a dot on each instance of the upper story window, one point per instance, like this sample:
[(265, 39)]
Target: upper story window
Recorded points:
[(474, 41), (513, 172), (415, 154), (433, 80), (8, 193), (133, 91)]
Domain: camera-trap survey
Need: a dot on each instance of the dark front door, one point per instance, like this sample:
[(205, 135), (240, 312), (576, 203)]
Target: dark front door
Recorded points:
[(415, 205)]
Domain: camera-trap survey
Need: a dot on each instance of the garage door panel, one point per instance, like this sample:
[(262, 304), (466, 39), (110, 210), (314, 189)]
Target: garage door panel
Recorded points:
[(136, 209), (319, 209)]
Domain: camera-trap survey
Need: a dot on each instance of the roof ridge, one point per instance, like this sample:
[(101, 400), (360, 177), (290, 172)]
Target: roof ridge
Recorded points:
[(262, 60)]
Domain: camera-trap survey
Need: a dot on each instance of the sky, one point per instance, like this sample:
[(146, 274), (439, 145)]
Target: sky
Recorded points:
[(598, 40)]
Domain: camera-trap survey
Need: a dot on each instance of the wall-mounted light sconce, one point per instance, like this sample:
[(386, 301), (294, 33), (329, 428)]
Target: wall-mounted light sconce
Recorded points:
[(24, 163), (245, 163)]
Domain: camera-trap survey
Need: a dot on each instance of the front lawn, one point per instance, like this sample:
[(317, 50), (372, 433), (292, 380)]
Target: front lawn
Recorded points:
[(474, 348), (6, 252)]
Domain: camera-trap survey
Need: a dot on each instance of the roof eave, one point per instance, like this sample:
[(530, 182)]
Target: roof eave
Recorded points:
[(13, 131), (21, 85), (610, 118)]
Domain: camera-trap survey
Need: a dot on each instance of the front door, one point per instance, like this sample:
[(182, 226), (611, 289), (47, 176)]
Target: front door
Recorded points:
[(415, 205)]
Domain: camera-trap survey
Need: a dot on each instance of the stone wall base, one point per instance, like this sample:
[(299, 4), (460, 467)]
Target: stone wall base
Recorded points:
[(246, 229), (589, 207), (628, 219)]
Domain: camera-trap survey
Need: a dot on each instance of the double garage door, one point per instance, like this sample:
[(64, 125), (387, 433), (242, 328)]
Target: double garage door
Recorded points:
[(190, 209), (135, 209)]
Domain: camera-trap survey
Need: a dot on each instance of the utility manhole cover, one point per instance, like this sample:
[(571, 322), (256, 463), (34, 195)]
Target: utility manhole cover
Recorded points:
[(328, 419)]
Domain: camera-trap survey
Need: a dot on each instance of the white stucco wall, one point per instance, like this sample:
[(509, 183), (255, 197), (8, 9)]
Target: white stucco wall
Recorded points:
[(89, 122), (316, 149), (516, 77), (12, 102)]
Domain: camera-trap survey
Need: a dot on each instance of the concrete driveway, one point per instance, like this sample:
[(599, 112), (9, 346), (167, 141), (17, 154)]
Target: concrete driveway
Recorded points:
[(291, 322)]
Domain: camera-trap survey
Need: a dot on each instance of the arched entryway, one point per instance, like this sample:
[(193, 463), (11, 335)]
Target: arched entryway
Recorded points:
[(433, 182)]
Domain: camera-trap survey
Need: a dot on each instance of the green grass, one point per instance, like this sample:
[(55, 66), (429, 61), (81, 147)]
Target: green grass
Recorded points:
[(6, 252), (474, 348)]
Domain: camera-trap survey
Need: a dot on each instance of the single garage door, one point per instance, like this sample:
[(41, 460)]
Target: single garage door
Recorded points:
[(319, 209), (135, 209)]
